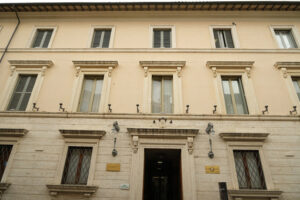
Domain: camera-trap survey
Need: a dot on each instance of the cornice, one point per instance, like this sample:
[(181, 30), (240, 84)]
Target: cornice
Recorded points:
[(150, 116), (30, 63), (95, 134), (244, 136), (229, 64), (95, 63), (287, 65), (161, 64), (12, 132), (163, 132)]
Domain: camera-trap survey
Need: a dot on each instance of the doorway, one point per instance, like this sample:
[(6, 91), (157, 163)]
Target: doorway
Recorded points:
[(162, 174)]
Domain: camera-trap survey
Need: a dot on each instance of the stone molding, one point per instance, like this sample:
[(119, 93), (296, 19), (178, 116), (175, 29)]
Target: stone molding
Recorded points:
[(12, 132), (230, 65), (175, 65), (29, 64), (94, 134), (254, 194), (260, 137), (94, 64), (285, 67), (3, 188), (187, 134), (84, 190)]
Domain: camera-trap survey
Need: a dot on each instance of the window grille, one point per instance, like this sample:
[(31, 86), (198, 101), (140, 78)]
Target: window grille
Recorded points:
[(77, 165), (101, 38), (42, 38), (285, 39), (249, 170), (5, 151), (223, 38), (162, 38), (22, 92)]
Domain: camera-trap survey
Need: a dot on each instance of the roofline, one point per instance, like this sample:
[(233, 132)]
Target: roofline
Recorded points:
[(153, 6)]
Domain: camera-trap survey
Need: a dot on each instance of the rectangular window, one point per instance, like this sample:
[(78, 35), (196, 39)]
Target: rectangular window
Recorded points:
[(296, 82), (22, 93), (162, 38), (285, 39), (42, 38), (223, 38), (77, 165), (101, 38), (4, 156), (234, 95), (249, 170), (90, 94), (162, 94)]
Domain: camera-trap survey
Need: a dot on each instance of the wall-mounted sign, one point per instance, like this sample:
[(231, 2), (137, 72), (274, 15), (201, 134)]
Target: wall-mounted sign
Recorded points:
[(124, 186), (113, 167), (212, 169)]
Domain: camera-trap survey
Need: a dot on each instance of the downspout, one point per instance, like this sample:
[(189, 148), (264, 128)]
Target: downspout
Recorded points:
[(5, 50)]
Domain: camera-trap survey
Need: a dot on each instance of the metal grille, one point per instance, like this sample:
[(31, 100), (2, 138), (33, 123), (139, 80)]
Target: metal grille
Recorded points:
[(249, 170), (4, 155), (77, 165)]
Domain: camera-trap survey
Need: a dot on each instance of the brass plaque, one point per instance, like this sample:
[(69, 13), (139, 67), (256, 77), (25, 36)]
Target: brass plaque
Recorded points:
[(113, 167), (212, 169)]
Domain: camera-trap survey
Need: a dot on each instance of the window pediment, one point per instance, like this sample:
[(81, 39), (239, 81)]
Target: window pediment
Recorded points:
[(72, 189), (162, 132), (12, 132), (170, 66), (230, 66), (244, 136), (30, 65), (288, 67), (94, 134), (94, 65)]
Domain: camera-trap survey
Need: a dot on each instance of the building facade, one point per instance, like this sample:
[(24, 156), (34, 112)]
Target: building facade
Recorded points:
[(160, 101)]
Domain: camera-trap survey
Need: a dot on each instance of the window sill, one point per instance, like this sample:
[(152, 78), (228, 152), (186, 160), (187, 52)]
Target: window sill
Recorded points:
[(72, 189), (4, 187), (254, 194)]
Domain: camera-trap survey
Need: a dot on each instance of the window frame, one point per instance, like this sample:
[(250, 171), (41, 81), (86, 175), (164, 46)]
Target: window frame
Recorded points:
[(24, 67), (93, 68), (234, 69), (234, 35), (163, 68), (111, 39), (288, 71), (173, 35), (293, 30), (42, 27)]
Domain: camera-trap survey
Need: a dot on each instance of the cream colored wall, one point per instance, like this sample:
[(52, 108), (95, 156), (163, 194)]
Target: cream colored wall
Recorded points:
[(132, 32)]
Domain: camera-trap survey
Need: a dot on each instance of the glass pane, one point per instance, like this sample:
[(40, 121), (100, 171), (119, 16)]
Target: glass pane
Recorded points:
[(228, 38), (239, 98), (47, 38), (253, 170), (106, 39), (96, 39), (167, 38), (85, 166), (86, 95), (240, 169), (156, 39), (168, 95), (4, 156), (24, 102), (38, 38), (278, 38), (14, 101), (297, 87), (216, 36), (227, 97), (21, 83), (72, 165), (156, 94), (97, 94), (221, 39), (31, 83)]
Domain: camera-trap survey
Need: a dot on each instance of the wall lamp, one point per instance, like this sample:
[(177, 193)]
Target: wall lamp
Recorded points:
[(266, 110), (61, 108), (294, 110), (210, 131), (34, 108)]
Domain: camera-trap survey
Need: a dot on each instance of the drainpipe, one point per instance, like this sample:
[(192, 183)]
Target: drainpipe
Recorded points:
[(5, 50)]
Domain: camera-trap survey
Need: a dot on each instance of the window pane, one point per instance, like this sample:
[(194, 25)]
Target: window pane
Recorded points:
[(97, 95), (216, 36), (4, 156), (38, 39), (156, 94), (278, 38), (168, 95), (77, 165), (96, 38), (240, 169), (285, 39), (167, 38), (227, 96), (47, 38), (42, 38), (86, 95), (156, 38), (228, 38), (253, 170), (296, 83), (106, 39), (239, 97), (22, 93)]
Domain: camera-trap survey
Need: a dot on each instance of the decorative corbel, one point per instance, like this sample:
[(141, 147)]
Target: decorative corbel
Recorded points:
[(12, 70), (248, 70), (135, 142), (43, 70), (145, 71), (179, 71), (109, 71), (77, 71), (284, 72), (190, 142), (214, 70)]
